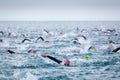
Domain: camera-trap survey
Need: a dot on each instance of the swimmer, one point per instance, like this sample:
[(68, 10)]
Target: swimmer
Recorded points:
[(1, 40), (2, 32), (77, 29), (60, 33), (26, 40), (47, 32), (23, 35), (117, 49), (65, 62), (9, 34), (82, 37), (110, 41), (75, 41), (92, 48), (110, 30), (11, 52), (105, 31), (110, 46), (40, 38), (32, 51), (86, 57)]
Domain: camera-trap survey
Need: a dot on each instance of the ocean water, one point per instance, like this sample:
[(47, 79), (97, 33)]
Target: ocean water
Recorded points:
[(101, 64)]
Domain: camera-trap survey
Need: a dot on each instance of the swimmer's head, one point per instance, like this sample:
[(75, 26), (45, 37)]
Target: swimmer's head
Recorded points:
[(110, 46), (74, 42), (67, 62), (9, 34), (110, 41), (6, 50), (32, 51), (87, 57), (92, 48), (1, 40)]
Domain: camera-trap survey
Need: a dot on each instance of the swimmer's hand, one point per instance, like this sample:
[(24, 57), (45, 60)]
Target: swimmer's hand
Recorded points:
[(44, 55)]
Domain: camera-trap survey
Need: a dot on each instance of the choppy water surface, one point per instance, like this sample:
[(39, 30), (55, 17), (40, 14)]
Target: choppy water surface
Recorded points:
[(101, 65)]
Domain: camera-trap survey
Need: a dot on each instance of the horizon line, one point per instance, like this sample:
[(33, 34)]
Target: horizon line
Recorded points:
[(59, 20)]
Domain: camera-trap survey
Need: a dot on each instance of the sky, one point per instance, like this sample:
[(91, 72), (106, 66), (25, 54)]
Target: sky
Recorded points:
[(60, 10)]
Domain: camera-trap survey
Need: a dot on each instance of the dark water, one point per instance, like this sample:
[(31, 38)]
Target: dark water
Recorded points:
[(102, 64)]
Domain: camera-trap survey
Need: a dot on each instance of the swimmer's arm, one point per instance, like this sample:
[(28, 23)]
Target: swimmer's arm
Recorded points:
[(117, 49), (40, 38), (25, 40), (11, 52), (52, 58), (46, 31)]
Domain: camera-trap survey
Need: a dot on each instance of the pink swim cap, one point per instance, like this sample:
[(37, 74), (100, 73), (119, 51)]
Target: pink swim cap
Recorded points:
[(66, 62), (110, 46), (32, 51), (9, 34)]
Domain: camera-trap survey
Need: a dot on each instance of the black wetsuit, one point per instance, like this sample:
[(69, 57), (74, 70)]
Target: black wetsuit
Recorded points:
[(40, 38), (25, 40), (117, 49), (11, 52), (54, 59)]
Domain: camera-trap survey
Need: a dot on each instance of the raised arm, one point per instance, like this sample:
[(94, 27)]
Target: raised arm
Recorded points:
[(52, 58), (40, 38), (26, 40)]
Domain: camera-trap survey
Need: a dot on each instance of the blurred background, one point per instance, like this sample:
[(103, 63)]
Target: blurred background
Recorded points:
[(60, 10)]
